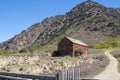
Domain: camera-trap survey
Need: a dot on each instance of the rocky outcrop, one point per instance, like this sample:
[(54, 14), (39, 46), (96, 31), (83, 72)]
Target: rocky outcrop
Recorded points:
[(36, 64)]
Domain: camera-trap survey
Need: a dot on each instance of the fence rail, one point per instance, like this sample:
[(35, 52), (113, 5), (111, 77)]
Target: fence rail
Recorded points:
[(2, 77), (71, 74), (16, 76)]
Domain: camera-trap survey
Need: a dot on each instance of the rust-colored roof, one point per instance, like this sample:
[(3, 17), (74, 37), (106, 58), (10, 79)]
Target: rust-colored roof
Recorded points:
[(76, 41)]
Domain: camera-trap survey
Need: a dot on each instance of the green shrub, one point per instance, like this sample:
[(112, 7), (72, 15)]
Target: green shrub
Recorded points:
[(49, 51), (78, 52), (114, 44), (23, 50), (55, 53), (4, 52)]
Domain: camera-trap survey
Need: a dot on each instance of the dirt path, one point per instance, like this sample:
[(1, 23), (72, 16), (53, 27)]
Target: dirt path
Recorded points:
[(110, 72)]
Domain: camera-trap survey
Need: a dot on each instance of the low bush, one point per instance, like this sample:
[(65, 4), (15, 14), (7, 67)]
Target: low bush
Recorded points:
[(55, 53), (78, 52), (23, 50), (4, 52), (116, 55)]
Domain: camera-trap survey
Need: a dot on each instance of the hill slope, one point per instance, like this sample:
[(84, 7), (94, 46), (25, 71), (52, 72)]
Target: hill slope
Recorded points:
[(88, 21)]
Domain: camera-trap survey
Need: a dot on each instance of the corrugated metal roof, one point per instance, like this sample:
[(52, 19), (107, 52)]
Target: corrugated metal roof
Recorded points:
[(76, 41)]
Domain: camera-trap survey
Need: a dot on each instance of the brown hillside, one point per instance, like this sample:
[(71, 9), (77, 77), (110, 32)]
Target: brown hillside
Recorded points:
[(88, 21)]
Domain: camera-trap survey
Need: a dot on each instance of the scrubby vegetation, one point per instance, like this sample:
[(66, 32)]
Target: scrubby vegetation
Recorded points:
[(101, 61), (115, 42), (23, 50), (33, 48), (55, 53), (78, 52), (3, 52)]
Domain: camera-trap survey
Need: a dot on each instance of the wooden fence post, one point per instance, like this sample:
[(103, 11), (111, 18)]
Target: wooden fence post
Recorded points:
[(72, 74)]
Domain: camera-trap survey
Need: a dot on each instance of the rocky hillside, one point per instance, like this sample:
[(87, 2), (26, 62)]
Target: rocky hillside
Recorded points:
[(88, 21)]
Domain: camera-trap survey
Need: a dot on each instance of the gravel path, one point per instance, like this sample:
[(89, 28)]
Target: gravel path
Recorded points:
[(110, 72)]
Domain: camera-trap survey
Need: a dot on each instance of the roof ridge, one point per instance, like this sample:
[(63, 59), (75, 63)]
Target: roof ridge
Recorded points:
[(76, 41)]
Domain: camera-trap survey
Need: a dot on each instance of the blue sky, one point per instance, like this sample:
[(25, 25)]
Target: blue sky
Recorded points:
[(18, 15)]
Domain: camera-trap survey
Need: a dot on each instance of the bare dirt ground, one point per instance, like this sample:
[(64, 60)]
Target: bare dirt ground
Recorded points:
[(110, 72)]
